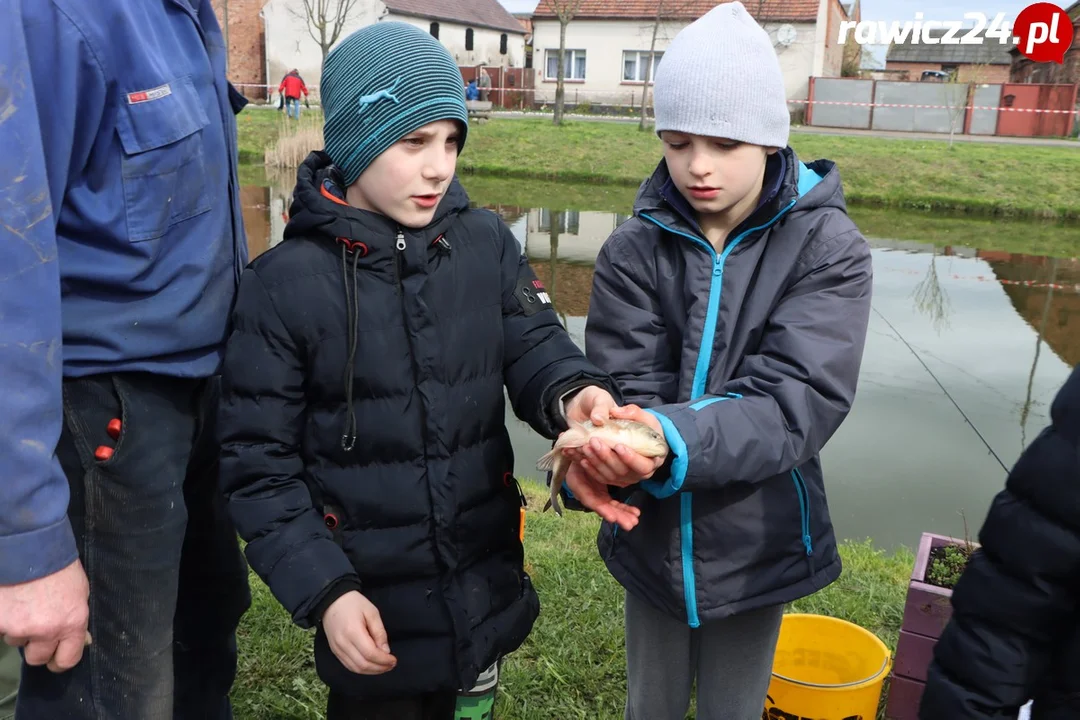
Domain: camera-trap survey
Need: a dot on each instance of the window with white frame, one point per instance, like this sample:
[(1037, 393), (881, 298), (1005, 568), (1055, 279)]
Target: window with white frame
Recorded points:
[(573, 65), (635, 63)]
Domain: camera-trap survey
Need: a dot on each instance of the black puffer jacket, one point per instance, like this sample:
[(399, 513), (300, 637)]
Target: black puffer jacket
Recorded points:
[(1015, 630), (422, 483)]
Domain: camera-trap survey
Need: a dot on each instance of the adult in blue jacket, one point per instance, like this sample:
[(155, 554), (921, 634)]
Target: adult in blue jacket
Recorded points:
[(122, 242)]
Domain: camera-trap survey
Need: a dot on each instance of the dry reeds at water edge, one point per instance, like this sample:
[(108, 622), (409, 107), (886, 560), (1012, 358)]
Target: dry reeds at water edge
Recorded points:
[(296, 140)]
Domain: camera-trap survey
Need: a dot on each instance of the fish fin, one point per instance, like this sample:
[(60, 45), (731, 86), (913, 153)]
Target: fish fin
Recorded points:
[(547, 460)]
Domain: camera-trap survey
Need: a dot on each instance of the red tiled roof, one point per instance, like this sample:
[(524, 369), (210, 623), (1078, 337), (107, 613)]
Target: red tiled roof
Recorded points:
[(481, 13), (761, 10)]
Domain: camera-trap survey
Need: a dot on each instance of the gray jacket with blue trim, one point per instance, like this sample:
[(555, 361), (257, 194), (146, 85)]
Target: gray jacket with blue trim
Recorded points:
[(749, 357)]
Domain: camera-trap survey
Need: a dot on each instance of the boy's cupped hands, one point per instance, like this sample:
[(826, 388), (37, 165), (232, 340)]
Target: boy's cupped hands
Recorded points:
[(598, 465)]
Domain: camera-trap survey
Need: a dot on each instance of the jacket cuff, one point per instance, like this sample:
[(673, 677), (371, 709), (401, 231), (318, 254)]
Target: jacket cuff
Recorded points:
[(564, 396), (36, 554), (334, 590), (302, 581), (679, 441), (550, 401)]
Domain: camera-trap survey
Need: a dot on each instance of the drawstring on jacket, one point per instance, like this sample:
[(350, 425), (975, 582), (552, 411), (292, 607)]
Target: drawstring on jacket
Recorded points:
[(352, 308)]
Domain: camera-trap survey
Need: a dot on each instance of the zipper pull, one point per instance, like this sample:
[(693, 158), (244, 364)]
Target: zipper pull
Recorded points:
[(400, 245), (444, 243)]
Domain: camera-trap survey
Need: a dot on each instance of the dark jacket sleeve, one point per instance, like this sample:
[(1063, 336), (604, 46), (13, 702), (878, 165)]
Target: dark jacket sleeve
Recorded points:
[(625, 330), (261, 426), (541, 363), (1018, 601), (785, 400)]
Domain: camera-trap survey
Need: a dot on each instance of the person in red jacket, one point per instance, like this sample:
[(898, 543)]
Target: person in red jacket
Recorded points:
[(291, 86)]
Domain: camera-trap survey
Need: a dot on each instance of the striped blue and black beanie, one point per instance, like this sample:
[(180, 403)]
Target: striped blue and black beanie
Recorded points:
[(381, 83)]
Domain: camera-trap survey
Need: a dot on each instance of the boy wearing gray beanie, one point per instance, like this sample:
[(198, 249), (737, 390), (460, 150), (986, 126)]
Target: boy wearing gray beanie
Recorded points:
[(364, 450), (732, 310)]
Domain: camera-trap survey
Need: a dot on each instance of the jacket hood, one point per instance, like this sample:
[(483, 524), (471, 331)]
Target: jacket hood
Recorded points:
[(318, 211), (366, 240), (790, 186)]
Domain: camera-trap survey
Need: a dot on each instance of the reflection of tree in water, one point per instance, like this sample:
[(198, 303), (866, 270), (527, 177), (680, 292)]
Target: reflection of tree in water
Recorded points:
[(553, 259), (1025, 410), (509, 213), (930, 297)]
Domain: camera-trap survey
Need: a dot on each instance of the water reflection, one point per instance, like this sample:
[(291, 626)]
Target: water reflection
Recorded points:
[(957, 335)]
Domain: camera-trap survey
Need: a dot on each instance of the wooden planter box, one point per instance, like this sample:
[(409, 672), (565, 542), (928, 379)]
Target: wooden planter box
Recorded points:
[(926, 612)]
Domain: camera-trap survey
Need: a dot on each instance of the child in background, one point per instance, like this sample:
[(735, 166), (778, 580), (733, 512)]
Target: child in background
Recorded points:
[(365, 456)]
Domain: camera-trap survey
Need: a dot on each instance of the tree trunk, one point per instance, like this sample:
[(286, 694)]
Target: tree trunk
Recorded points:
[(553, 252), (225, 13), (648, 68), (560, 86)]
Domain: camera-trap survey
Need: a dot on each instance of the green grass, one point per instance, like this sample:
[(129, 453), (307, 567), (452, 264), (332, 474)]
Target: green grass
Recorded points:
[(257, 129), (974, 178), (978, 178), (573, 664)]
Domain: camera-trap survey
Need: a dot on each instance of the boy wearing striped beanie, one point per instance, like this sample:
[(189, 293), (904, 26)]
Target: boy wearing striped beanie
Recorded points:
[(364, 449)]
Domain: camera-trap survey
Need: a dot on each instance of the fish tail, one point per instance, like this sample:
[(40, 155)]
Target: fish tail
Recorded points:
[(558, 474)]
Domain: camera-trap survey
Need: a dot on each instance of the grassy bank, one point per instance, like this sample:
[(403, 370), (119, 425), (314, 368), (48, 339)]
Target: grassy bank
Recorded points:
[(976, 178), (1029, 236), (989, 179), (572, 665)]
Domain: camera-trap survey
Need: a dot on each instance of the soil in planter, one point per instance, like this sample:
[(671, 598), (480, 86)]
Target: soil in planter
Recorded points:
[(946, 564)]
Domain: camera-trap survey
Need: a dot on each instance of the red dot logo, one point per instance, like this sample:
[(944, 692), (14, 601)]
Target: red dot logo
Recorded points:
[(1043, 32)]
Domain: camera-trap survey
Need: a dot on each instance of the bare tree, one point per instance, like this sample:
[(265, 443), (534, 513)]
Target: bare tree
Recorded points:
[(225, 24), (665, 10), (764, 18), (649, 66), (956, 97), (325, 19), (565, 10)]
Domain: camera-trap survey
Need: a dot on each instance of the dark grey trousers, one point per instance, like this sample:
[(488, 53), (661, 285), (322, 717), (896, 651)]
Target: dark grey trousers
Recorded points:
[(731, 660)]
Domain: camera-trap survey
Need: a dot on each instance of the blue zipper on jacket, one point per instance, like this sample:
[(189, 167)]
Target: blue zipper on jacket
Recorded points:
[(701, 373), (804, 510)]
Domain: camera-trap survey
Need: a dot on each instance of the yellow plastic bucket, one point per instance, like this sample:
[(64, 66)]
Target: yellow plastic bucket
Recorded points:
[(826, 669)]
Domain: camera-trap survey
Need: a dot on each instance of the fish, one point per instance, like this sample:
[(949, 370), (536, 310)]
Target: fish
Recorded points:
[(637, 436)]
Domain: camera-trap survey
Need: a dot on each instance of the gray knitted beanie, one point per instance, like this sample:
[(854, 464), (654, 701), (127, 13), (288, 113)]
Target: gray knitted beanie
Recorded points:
[(720, 77), (381, 83)]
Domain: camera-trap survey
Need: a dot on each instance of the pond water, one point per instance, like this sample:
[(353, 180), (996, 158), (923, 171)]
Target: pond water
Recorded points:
[(965, 351)]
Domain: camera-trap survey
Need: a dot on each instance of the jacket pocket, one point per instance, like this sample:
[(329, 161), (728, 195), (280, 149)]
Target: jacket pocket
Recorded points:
[(162, 164), (804, 510)]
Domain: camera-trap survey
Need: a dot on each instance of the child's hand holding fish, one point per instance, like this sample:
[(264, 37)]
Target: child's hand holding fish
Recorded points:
[(618, 460), (621, 449)]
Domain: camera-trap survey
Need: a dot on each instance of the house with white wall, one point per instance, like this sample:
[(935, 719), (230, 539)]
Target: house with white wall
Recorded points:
[(607, 44), (476, 32)]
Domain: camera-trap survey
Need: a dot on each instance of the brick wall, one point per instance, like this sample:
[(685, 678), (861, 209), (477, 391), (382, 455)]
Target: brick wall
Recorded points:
[(984, 73), (966, 73), (1027, 71), (247, 60)]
